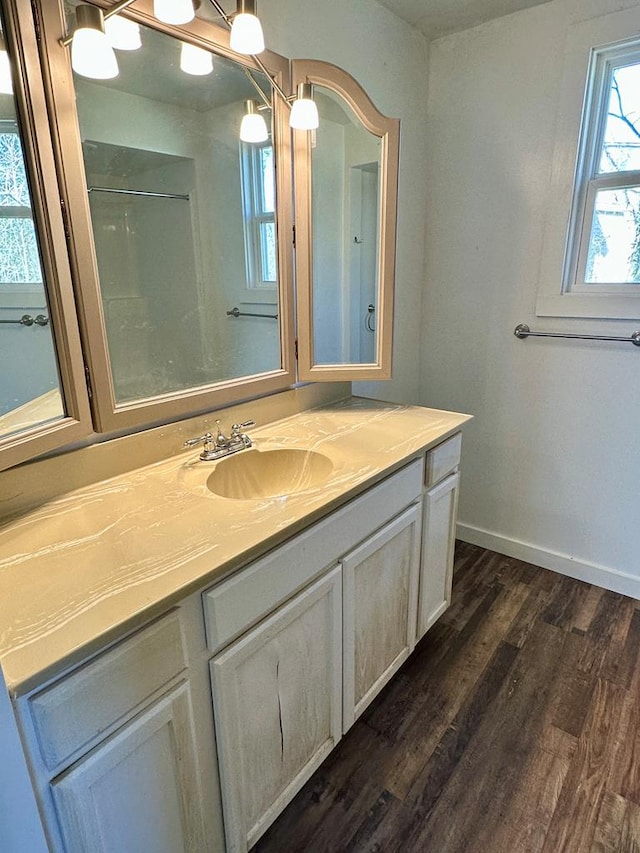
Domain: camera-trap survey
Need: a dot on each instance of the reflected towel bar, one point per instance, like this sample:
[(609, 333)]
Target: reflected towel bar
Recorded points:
[(523, 331), (178, 196), (236, 312), (28, 320)]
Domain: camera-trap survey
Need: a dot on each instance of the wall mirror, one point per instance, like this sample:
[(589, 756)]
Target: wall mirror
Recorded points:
[(346, 188), (42, 399), (177, 223)]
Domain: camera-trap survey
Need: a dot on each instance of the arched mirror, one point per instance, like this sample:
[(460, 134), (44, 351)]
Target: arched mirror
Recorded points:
[(43, 401), (181, 230), (346, 175)]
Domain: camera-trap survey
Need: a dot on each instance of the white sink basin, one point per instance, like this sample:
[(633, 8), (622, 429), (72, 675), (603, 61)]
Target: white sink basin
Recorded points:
[(255, 474)]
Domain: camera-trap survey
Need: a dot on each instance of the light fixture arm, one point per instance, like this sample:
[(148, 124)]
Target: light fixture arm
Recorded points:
[(123, 4), (106, 13), (263, 96), (228, 21)]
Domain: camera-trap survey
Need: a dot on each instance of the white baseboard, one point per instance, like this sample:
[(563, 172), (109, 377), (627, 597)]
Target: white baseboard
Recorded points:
[(562, 563)]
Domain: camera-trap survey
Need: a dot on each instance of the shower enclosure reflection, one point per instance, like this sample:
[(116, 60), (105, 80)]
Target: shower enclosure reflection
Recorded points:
[(183, 218), (345, 163)]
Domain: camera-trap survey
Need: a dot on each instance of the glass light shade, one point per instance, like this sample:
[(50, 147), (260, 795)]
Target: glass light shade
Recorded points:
[(304, 112), (122, 34), (194, 60), (91, 54), (173, 11), (6, 84), (253, 127), (246, 34)]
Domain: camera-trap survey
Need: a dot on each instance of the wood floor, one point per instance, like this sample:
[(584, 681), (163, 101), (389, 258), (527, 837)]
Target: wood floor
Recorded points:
[(513, 728)]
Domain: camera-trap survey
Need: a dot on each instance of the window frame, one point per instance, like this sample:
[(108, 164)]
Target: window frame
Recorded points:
[(606, 36), (255, 216), (590, 180), (26, 294)]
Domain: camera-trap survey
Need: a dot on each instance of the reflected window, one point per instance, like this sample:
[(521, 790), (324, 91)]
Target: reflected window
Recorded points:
[(19, 257), (258, 200)]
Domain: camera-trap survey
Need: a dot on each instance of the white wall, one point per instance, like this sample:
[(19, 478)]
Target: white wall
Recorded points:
[(552, 462), (389, 59)]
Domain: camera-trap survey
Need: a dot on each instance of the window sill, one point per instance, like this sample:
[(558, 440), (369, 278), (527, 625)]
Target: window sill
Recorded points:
[(596, 306)]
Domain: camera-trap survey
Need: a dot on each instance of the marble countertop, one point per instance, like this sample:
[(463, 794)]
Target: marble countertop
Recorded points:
[(80, 570)]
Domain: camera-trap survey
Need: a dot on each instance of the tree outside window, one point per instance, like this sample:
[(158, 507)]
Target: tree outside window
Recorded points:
[(609, 235), (19, 256)]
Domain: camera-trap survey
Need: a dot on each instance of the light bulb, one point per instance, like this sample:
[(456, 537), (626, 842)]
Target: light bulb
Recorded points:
[(91, 54), (304, 112), (246, 30), (253, 127), (173, 11), (122, 33), (6, 83), (195, 60)]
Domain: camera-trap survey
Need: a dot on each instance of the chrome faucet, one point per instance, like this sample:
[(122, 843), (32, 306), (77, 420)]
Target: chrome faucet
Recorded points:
[(219, 445)]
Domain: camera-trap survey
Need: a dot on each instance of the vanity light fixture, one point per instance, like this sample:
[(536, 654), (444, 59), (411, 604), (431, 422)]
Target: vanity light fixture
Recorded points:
[(253, 127), (6, 83), (195, 60), (246, 30), (91, 54), (122, 33), (174, 11), (304, 112)]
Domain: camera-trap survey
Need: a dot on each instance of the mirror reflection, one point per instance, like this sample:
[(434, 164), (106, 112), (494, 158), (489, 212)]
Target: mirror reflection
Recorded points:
[(184, 218), (30, 392), (345, 163)]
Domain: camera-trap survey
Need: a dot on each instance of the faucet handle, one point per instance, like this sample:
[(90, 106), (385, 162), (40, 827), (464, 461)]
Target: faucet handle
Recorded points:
[(235, 429), (201, 439)]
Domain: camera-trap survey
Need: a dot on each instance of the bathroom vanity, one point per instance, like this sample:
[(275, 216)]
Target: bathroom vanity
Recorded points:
[(179, 663)]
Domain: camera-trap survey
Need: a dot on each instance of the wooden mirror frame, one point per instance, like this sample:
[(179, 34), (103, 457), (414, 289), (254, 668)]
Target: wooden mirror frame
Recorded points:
[(37, 147), (108, 413), (388, 130)]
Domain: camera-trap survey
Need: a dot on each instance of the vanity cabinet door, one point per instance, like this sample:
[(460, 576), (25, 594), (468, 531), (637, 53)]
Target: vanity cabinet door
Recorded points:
[(276, 694), (138, 791), (380, 591), (438, 540)]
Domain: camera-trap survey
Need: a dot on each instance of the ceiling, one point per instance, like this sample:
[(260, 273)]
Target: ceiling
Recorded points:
[(437, 17)]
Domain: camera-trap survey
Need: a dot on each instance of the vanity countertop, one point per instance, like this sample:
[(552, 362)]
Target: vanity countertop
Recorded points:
[(80, 570)]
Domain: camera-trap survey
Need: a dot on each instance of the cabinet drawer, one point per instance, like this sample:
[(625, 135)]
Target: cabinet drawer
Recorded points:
[(241, 601), (443, 459), (72, 713)]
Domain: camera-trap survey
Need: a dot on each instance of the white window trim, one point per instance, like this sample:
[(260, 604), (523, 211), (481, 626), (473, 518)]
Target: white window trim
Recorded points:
[(559, 261), (252, 222)]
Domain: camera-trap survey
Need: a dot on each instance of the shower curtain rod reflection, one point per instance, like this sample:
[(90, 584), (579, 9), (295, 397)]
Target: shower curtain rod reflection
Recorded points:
[(178, 196)]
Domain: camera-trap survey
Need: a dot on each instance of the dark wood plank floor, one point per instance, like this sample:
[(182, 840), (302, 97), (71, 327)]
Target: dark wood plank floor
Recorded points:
[(513, 728)]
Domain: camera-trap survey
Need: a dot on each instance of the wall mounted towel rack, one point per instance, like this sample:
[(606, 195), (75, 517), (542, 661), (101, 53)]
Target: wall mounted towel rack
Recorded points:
[(236, 312), (28, 320), (523, 331)]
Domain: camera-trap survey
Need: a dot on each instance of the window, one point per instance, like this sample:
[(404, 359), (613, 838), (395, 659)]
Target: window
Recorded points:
[(258, 200), (605, 254), (19, 256), (590, 262)]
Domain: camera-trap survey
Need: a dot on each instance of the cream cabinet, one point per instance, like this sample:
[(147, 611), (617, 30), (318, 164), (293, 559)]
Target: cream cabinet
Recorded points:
[(380, 580), (193, 733), (277, 700), (140, 789), (277, 629), (440, 508), (123, 747)]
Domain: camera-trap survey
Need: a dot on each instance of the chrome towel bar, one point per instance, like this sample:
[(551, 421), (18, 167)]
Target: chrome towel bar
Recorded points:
[(28, 320), (236, 312), (523, 331)]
